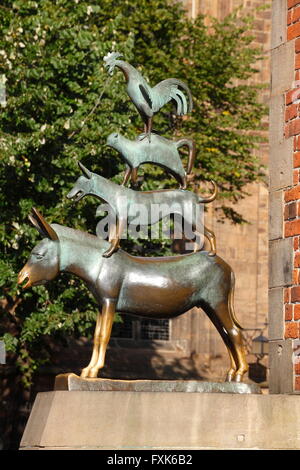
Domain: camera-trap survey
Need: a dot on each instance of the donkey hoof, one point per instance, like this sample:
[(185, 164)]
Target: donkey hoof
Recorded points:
[(230, 376), (85, 373), (93, 373), (238, 378), (107, 254)]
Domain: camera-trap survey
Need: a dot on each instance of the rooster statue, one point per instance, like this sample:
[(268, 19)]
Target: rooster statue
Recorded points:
[(147, 100)]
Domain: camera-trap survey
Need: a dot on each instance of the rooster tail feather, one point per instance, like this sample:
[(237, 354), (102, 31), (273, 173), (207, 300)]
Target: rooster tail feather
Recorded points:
[(168, 89), (184, 107), (180, 84)]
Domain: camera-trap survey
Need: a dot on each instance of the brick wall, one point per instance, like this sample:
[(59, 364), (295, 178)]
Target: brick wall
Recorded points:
[(291, 204), (284, 234)]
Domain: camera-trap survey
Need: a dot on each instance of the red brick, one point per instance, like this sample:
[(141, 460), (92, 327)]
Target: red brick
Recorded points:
[(287, 295), (297, 143), (297, 383), (295, 294), (292, 3), (290, 95), (297, 312), (296, 243), (291, 111), (289, 17), (292, 127), (292, 228), (292, 330), (297, 45), (297, 368), (290, 211), (295, 276), (293, 31), (292, 194), (297, 259), (296, 176), (288, 312), (295, 14), (296, 159)]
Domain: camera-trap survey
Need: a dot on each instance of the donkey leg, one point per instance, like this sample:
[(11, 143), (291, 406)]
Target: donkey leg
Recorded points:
[(232, 336), (219, 326), (233, 367), (108, 313), (85, 372)]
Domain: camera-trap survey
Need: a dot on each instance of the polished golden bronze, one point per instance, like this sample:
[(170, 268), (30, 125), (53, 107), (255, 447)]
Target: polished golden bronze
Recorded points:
[(162, 287)]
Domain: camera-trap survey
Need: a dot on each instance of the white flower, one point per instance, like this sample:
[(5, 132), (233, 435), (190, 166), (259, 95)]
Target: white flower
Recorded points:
[(43, 127), (21, 44), (67, 124), (89, 10)]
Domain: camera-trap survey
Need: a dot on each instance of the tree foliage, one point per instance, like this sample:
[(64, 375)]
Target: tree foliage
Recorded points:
[(60, 107)]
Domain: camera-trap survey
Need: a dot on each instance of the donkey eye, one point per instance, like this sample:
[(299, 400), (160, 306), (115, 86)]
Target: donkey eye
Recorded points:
[(38, 255)]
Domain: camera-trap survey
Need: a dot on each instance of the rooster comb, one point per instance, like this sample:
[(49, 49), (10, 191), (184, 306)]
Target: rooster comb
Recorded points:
[(111, 56)]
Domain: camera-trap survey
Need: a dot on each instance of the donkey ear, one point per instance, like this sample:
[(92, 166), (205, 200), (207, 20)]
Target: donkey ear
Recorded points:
[(85, 171), (42, 225)]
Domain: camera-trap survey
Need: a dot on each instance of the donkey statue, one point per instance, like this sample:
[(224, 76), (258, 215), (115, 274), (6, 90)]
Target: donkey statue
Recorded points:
[(162, 287)]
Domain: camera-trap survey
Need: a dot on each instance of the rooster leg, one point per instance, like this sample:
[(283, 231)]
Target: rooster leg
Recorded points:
[(147, 129)]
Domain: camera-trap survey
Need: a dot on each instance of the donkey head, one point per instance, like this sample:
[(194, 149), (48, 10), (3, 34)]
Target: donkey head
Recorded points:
[(43, 263), (82, 186)]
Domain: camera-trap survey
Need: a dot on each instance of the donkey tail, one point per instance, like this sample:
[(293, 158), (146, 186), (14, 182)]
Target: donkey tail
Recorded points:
[(231, 302)]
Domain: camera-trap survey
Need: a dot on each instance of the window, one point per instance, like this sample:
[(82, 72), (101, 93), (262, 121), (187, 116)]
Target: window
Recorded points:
[(141, 329)]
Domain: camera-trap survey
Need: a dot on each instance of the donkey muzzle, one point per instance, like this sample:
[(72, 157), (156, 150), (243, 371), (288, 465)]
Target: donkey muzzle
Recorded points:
[(22, 276)]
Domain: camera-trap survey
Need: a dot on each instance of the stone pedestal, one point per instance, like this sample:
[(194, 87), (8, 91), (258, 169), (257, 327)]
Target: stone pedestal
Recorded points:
[(73, 382), (139, 420)]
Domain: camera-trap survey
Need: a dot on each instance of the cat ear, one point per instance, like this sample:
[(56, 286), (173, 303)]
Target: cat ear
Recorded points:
[(42, 225)]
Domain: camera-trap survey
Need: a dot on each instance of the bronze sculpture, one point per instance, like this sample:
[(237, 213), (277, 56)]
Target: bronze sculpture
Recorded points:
[(160, 151), (173, 284), (148, 100), (162, 287), (124, 200)]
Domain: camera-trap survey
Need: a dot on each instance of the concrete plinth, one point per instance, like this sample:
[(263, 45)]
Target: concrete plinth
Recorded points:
[(159, 420)]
